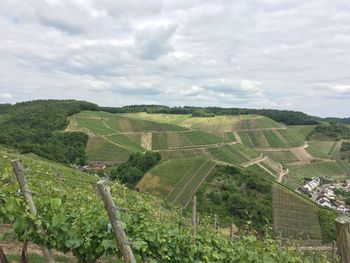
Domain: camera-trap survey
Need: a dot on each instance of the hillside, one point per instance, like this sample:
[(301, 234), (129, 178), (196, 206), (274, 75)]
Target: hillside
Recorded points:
[(79, 225)]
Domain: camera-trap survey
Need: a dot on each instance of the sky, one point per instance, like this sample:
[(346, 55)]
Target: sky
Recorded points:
[(277, 54)]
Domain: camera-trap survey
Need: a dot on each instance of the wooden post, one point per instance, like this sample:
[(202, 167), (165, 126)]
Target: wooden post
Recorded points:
[(118, 230), (334, 250), (194, 216), (19, 172), (342, 225), (3, 258)]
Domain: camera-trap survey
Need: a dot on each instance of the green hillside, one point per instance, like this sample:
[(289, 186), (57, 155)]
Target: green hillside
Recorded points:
[(80, 225)]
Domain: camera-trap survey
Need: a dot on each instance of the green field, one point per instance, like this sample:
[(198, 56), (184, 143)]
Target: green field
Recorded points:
[(126, 141), (345, 166), (168, 140), (233, 154), (176, 179), (282, 138), (321, 149), (100, 149), (258, 170), (303, 130), (294, 217), (297, 173), (258, 122), (217, 124), (159, 117), (281, 156)]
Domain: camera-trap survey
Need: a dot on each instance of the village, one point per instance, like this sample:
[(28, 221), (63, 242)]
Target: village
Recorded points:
[(327, 193)]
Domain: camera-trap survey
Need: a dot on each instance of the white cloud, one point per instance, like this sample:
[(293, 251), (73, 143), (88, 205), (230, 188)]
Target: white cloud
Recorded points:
[(5, 96), (281, 54)]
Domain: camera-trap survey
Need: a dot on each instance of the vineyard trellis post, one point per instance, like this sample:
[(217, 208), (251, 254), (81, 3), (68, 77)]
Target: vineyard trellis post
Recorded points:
[(334, 250), (3, 258), (342, 225), (118, 230), (19, 172), (194, 216)]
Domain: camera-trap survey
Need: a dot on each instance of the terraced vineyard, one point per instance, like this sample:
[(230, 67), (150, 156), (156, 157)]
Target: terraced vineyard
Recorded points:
[(250, 122), (176, 179), (281, 156), (297, 173), (294, 217), (170, 140), (282, 138), (100, 149), (303, 130)]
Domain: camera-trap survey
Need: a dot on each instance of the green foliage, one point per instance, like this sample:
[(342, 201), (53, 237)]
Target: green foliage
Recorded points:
[(286, 117), (80, 225), (333, 131), (327, 221), (237, 195), (130, 172), (345, 146), (202, 113), (30, 127)]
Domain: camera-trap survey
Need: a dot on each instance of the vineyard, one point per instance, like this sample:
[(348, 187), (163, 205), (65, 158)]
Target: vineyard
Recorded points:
[(294, 216), (282, 138), (74, 220), (281, 156)]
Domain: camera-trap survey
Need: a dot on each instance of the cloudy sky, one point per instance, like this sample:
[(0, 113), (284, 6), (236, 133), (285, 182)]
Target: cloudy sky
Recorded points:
[(235, 53)]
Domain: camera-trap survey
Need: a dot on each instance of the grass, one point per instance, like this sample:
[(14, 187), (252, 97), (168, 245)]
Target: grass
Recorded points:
[(281, 156), (176, 179), (294, 217), (100, 149), (35, 258)]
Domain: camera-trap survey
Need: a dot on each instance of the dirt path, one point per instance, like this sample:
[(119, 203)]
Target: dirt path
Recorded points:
[(237, 137), (267, 170), (280, 149), (281, 174), (146, 140), (254, 161), (263, 129)]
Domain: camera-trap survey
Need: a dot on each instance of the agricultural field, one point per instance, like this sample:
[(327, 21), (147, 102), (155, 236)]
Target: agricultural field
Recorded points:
[(282, 138), (101, 123), (175, 119), (297, 173), (294, 216), (217, 124), (303, 130), (321, 149), (170, 140), (130, 143), (101, 149), (250, 122), (176, 180), (233, 154), (284, 157)]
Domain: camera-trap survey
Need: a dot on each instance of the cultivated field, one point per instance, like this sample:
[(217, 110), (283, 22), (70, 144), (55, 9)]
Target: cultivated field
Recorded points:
[(176, 180), (297, 173), (321, 149), (100, 149), (294, 217), (171, 140), (217, 124), (250, 122), (281, 156), (303, 130), (282, 138)]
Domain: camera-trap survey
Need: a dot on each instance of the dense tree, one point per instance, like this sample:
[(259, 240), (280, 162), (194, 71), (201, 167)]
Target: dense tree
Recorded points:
[(32, 127), (130, 172), (333, 131)]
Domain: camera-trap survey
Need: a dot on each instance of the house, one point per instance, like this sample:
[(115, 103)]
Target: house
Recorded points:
[(309, 186), (324, 201)]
